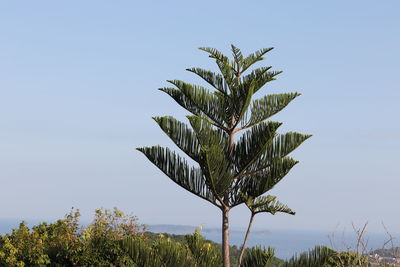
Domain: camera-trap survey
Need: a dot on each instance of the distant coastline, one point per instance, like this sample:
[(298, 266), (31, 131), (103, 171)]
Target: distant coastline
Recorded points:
[(171, 228), (286, 242)]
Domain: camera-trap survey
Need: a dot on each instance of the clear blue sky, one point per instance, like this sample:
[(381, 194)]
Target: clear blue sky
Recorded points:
[(78, 84)]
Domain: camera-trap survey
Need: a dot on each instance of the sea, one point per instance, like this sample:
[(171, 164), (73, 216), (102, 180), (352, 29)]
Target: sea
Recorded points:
[(286, 243)]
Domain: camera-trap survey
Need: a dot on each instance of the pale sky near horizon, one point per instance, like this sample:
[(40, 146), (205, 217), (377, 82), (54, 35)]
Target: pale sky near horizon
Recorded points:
[(78, 84)]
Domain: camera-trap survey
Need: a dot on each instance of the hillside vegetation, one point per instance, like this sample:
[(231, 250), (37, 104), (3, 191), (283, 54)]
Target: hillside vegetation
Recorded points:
[(116, 239)]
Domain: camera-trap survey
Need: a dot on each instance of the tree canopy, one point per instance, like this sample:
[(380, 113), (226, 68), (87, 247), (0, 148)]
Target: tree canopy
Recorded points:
[(229, 171)]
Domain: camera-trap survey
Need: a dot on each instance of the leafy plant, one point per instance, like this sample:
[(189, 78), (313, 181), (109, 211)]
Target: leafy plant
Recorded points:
[(262, 204), (24, 248), (229, 171), (195, 252), (258, 257), (202, 251), (320, 256), (66, 243)]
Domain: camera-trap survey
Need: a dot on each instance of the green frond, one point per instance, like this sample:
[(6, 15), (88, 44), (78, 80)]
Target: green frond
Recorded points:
[(215, 53), (164, 252), (254, 185), (238, 57), (214, 79), (214, 146), (172, 254), (260, 77), (181, 135), (254, 57), (320, 256), (223, 62), (140, 252), (178, 170), (252, 144), (211, 105), (267, 204), (281, 146), (189, 105), (207, 135), (253, 203), (269, 105), (242, 101), (284, 144), (218, 169), (228, 72), (182, 100), (258, 257), (257, 74)]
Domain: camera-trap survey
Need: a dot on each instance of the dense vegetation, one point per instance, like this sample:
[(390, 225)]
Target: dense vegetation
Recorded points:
[(115, 239), (112, 239), (66, 243)]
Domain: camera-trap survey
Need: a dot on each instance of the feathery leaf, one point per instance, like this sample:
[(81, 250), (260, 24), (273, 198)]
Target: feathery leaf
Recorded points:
[(215, 80), (281, 146), (269, 105), (252, 144), (254, 185), (208, 103), (178, 170), (258, 257), (260, 77), (223, 62), (181, 135), (254, 57), (207, 135), (267, 204), (218, 168), (238, 57)]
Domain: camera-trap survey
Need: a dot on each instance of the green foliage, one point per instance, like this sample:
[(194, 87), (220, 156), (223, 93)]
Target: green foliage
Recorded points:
[(163, 251), (9, 254), (267, 204), (234, 251), (140, 252), (349, 259), (115, 239), (228, 170), (65, 243), (24, 248), (258, 257), (204, 253), (101, 236), (320, 256)]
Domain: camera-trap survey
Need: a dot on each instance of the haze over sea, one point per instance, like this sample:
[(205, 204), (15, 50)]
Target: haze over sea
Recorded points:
[(286, 242)]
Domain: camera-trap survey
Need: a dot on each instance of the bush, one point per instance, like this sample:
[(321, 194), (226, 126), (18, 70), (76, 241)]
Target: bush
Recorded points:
[(65, 243), (193, 251)]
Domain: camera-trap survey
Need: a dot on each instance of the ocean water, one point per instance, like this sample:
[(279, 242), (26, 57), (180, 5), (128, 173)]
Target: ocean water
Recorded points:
[(290, 242), (285, 242)]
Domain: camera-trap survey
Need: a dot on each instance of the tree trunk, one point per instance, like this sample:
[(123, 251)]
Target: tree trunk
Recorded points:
[(245, 240), (225, 237)]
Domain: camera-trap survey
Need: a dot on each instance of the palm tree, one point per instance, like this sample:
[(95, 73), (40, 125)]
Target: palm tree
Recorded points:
[(228, 171)]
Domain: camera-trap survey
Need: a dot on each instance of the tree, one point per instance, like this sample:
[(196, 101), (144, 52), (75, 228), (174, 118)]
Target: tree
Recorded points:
[(262, 204), (229, 171)]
